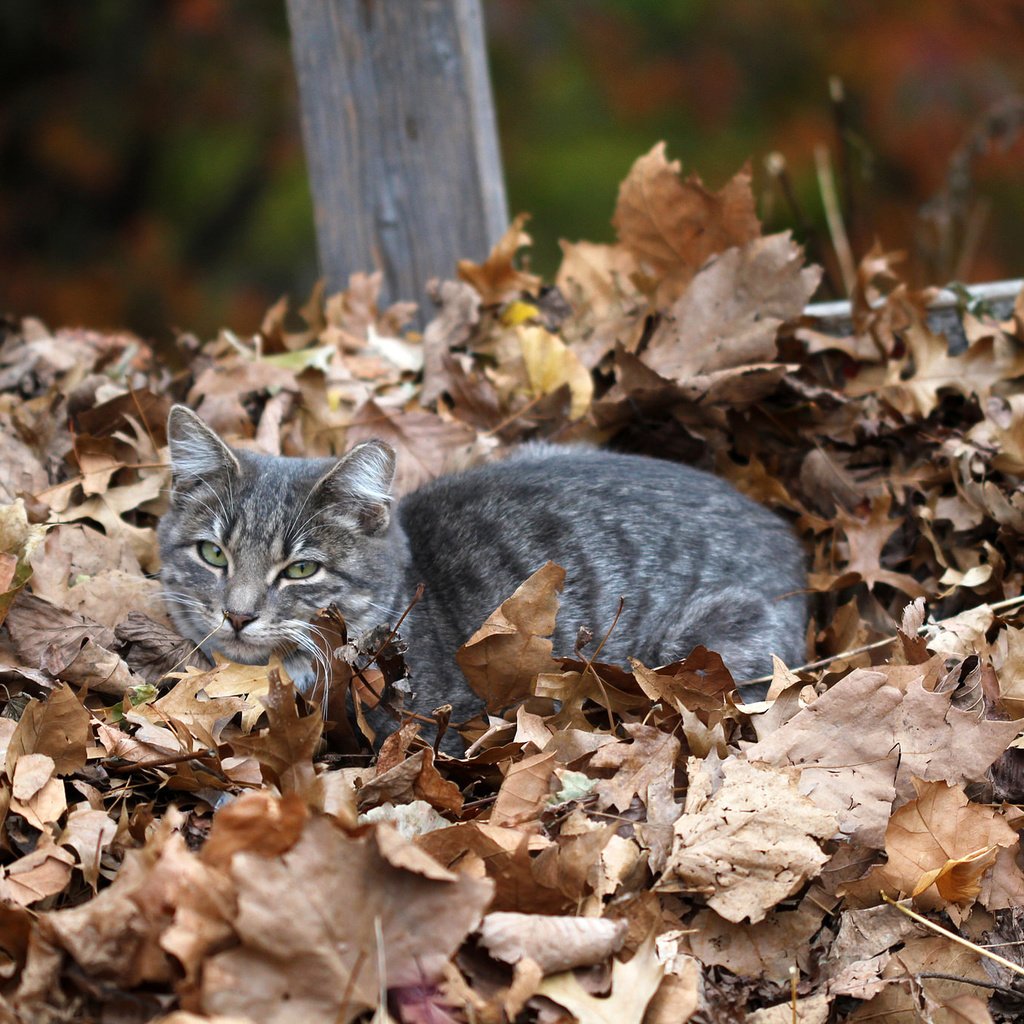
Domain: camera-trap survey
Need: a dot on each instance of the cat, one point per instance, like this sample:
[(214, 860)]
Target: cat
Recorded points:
[(252, 545)]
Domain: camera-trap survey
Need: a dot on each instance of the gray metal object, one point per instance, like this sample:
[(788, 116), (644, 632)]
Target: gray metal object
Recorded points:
[(998, 298)]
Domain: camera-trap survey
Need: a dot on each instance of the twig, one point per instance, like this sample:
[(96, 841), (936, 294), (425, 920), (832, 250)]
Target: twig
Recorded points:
[(841, 115), (165, 762), (1008, 964), (589, 666), (999, 606), (509, 420), (777, 168), (834, 218), (939, 976)]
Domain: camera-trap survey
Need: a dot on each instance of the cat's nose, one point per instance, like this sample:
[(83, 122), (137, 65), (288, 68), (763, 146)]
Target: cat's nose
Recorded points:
[(239, 620)]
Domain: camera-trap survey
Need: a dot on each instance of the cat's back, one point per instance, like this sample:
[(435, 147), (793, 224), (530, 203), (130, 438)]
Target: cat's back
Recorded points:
[(619, 524), (675, 557), (555, 488)]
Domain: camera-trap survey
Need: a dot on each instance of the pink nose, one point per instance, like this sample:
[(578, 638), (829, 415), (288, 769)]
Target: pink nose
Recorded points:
[(239, 620)]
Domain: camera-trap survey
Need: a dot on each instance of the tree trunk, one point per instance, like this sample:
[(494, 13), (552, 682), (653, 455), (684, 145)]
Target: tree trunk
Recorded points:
[(400, 137)]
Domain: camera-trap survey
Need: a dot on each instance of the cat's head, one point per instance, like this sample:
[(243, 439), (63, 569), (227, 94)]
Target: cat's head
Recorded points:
[(252, 545)]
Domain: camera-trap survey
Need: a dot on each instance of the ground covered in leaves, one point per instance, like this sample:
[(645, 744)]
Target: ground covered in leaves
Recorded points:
[(180, 843)]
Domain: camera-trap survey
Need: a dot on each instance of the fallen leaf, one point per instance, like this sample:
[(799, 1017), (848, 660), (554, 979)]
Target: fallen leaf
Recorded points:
[(554, 943), (497, 279), (633, 986), (731, 311), (673, 225), (503, 657), (311, 929), (750, 844)]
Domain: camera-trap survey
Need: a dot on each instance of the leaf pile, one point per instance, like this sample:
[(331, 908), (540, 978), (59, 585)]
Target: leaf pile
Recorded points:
[(618, 844)]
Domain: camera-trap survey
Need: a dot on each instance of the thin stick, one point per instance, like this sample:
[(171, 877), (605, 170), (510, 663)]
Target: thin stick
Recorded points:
[(165, 762), (834, 218), (776, 166), (841, 115), (939, 976), (999, 606), (589, 667), (1008, 964), (509, 420)]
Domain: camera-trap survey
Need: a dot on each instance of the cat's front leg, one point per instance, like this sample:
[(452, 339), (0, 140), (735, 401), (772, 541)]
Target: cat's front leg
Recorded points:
[(301, 671)]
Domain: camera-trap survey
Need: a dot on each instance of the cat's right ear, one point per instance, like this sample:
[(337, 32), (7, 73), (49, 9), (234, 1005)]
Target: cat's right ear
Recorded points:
[(197, 453), (362, 479)]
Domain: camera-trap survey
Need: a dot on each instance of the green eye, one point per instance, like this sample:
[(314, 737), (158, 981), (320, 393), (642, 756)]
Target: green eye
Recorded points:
[(300, 570), (212, 554)]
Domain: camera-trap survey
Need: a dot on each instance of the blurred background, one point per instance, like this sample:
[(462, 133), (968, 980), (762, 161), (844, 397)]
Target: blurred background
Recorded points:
[(152, 174)]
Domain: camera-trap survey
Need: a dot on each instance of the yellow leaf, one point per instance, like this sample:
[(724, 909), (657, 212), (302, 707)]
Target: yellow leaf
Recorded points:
[(518, 312), (550, 364)]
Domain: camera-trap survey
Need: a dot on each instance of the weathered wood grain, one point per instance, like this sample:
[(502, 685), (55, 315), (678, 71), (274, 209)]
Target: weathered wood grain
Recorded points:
[(400, 137)]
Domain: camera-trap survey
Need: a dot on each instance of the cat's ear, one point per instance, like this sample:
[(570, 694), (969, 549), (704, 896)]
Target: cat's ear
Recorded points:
[(362, 478), (197, 453)]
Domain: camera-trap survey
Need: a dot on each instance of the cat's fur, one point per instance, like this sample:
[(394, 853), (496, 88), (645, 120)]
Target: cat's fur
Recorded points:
[(697, 562)]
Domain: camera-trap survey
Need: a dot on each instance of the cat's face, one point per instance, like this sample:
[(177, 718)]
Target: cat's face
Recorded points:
[(252, 545)]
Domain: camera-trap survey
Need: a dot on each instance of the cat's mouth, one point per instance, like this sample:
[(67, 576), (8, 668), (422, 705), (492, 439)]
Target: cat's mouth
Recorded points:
[(249, 651)]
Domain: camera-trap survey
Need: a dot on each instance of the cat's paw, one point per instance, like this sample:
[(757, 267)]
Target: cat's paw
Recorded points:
[(301, 672)]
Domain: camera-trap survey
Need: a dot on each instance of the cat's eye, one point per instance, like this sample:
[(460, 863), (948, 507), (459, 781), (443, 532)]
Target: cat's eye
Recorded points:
[(212, 554), (300, 570)]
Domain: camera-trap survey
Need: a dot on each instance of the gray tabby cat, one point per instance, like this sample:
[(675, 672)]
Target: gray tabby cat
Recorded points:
[(252, 545)]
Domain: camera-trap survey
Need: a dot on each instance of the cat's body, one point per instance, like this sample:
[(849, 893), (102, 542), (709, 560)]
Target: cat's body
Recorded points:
[(695, 561)]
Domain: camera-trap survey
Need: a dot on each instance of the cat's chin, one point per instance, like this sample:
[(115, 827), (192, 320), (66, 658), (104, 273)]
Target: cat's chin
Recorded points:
[(246, 654)]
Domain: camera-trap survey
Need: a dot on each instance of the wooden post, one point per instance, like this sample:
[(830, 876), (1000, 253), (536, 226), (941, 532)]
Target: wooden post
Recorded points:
[(400, 137)]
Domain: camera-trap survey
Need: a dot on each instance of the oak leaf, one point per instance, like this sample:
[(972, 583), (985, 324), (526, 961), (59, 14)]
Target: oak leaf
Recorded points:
[(938, 847)]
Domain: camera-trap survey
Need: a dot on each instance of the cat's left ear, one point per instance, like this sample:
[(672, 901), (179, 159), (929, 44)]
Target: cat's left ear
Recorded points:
[(362, 478), (197, 453)]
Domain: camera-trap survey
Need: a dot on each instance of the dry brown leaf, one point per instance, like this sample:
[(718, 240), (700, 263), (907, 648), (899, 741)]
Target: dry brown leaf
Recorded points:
[(633, 986), (114, 936), (764, 950), (554, 943), (988, 362), (109, 508), (750, 844), (58, 726), (503, 657), (913, 731), (89, 831), (814, 1009), (311, 923), (672, 225), (646, 767), (866, 538), (524, 792), (938, 847), (732, 309), (44, 872), (931, 954), (153, 650), (497, 279), (285, 749), (451, 328)]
